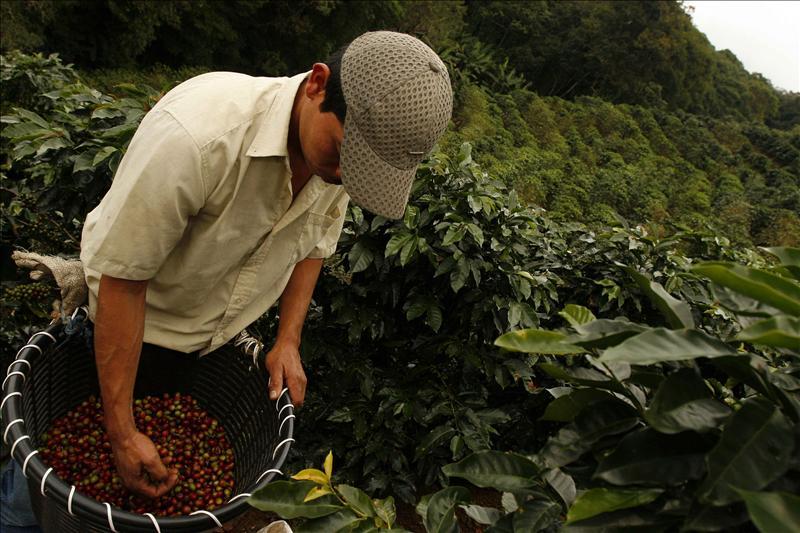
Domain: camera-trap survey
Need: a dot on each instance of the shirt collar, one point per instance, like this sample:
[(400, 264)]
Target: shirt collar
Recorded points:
[(273, 133)]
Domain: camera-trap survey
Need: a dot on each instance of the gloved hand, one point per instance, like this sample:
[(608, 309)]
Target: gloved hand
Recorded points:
[(68, 274)]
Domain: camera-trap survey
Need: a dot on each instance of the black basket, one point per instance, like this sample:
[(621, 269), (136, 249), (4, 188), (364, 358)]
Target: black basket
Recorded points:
[(55, 371)]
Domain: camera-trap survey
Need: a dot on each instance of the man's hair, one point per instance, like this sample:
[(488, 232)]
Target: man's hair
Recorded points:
[(334, 97)]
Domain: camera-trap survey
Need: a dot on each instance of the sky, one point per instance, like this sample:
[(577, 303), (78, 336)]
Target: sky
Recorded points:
[(765, 36)]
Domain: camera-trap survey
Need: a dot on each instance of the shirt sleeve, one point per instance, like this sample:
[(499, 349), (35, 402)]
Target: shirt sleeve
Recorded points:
[(327, 245), (157, 188)]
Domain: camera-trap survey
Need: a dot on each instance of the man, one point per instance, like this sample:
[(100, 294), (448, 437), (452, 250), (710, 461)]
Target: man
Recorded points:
[(232, 192), (230, 197)]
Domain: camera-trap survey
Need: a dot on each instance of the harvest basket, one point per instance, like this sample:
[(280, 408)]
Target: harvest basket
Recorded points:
[(55, 371)]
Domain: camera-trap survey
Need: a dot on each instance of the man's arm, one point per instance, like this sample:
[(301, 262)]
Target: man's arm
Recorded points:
[(283, 361), (119, 329)]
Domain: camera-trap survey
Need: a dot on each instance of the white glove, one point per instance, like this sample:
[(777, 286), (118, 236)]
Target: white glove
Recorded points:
[(68, 274)]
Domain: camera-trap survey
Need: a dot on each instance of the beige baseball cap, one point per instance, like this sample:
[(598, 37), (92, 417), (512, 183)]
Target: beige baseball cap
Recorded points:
[(399, 102)]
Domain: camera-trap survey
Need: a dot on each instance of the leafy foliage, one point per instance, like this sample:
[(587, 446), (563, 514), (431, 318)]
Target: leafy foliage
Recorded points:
[(696, 423)]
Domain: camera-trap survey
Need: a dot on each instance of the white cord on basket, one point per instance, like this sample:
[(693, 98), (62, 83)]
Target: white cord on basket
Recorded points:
[(5, 434), (284, 441), (284, 391), (44, 478), (25, 463), (69, 500), (8, 376), (9, 395), (28, 346), (14, 446), (287, 417), (110, 521), (284, 407), (155, 522), (41, 333), (216, 520), (267, 472), (242, 495), (19, 361)]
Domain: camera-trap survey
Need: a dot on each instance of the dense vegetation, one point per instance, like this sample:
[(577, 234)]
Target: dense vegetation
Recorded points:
[(585, 360), (592, 110)]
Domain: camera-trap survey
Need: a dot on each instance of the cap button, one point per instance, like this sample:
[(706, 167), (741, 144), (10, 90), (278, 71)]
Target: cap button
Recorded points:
[(435, 66)]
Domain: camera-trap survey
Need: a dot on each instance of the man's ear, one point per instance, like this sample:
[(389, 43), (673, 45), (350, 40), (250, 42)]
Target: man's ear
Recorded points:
[(317, 80)]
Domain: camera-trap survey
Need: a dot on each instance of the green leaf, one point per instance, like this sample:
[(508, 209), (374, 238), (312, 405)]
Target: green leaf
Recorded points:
[(440, 513), (396, 243), (458, 277), (754, 449), (536, 341), (563, 484), (285, 498), (661, 344), (340, 521), (577, 375), (646, 457), (33, 117), (768, 288), (408, 251), (576, 315), (433, 438), (417, 309), (677, 313), (434, 317), (630, 520), (603, 333), (411, 218), (566, 408), (499, 470), (385, 510), (684, 402), (103, 154), (789, 257), (476, 233), (51, 144), (578, 437), (754, 371), (536, 515), (482, 515), (773, 512), (83, 162), (357, 499), (360, 257), (778, 332), (599, 500), (454, 234)]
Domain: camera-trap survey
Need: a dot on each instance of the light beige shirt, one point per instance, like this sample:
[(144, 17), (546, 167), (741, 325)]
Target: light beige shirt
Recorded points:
[(201, 206)]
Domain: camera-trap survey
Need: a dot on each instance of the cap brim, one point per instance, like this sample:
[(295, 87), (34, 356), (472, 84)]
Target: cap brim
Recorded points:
[(371, 182)]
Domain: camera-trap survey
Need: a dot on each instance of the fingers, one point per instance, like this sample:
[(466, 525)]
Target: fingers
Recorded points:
[(297, 388), (275, 379)]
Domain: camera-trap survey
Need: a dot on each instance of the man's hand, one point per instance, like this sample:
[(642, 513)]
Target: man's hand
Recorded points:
[(140, 467), (285, 369)]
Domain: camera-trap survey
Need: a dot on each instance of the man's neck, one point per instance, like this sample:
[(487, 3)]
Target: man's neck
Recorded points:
[(300, 172)]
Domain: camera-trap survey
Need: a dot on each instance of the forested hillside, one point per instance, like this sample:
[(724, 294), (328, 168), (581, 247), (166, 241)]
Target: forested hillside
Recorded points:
[(592, 110)]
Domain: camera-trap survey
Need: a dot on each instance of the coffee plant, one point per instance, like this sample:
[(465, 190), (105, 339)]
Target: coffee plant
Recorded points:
[(662, 427)]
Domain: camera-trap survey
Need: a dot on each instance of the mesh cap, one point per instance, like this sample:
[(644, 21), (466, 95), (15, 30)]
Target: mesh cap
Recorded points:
[(399, 102)]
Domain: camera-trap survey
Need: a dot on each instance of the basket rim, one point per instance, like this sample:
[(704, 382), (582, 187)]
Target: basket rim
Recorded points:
[(42, 344)]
